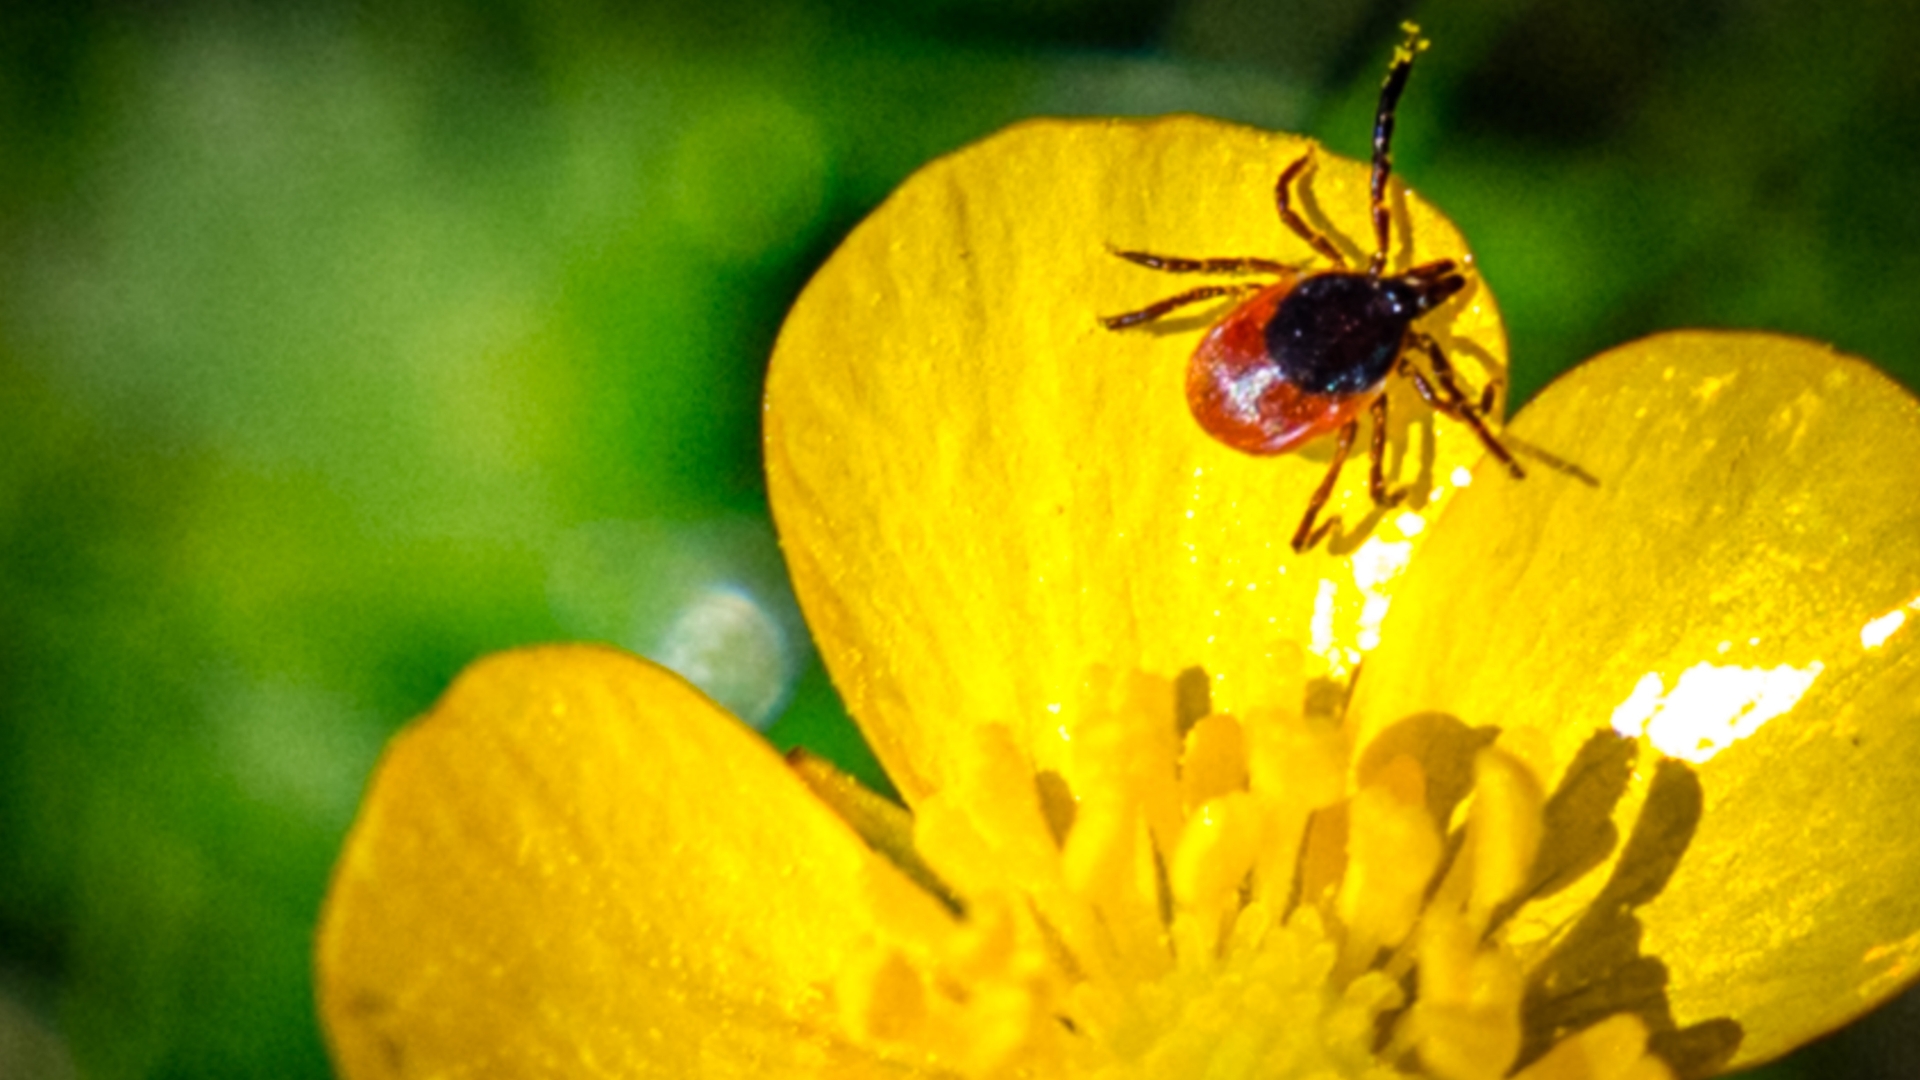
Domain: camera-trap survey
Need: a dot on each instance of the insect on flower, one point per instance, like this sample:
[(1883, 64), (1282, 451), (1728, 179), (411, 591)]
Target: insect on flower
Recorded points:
[(1305, 355)]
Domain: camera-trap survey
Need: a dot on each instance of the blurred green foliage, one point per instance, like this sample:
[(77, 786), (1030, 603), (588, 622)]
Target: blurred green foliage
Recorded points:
[(326, 331)]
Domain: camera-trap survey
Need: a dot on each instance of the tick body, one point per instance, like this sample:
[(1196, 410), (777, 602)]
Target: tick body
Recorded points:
[(1303, 356)]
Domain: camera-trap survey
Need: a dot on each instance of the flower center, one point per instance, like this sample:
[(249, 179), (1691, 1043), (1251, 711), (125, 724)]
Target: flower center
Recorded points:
[(1165, 891)]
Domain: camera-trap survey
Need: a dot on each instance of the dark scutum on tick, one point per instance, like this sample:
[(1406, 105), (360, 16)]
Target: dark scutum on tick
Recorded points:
[(1303, 356)]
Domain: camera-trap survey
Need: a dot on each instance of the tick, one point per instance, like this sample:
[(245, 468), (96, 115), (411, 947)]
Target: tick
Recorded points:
[(1303, 356)]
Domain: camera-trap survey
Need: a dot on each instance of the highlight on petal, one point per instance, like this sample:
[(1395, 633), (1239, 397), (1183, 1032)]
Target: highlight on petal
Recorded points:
[(1722, 568), (983, 493), (576, 865)]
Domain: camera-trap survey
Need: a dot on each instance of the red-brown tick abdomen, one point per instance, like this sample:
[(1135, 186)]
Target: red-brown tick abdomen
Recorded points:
[(1241, 395)]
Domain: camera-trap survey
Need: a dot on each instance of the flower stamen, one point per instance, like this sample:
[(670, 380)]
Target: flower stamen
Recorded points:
[(1192, 893)]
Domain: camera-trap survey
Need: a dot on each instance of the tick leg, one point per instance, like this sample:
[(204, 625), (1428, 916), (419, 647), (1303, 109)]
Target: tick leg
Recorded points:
[(1173, 264), (1464, 410), (1452, 402), (1174, 303), (1306, 536), (1377, 453), (1383, 143), (1284, 203)]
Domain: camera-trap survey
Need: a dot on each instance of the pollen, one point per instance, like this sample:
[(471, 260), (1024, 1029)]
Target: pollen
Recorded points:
[(1189, 893)]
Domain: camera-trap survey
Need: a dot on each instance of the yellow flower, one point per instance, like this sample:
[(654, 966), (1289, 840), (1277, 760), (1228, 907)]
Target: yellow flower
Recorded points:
[(1621, 792)]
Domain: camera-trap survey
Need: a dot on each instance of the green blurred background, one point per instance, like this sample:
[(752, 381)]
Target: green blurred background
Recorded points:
[(341, 344)]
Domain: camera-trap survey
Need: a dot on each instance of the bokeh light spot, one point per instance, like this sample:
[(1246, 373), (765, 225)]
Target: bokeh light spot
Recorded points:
[(727, 644), (709, 600)]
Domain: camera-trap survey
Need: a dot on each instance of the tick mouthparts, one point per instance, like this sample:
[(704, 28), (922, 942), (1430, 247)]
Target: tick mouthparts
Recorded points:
[(1435, 282)]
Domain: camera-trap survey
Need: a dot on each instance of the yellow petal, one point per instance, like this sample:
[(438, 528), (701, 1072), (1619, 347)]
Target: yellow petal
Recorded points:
[(983, 492), (576, 865), (1739, 588)]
